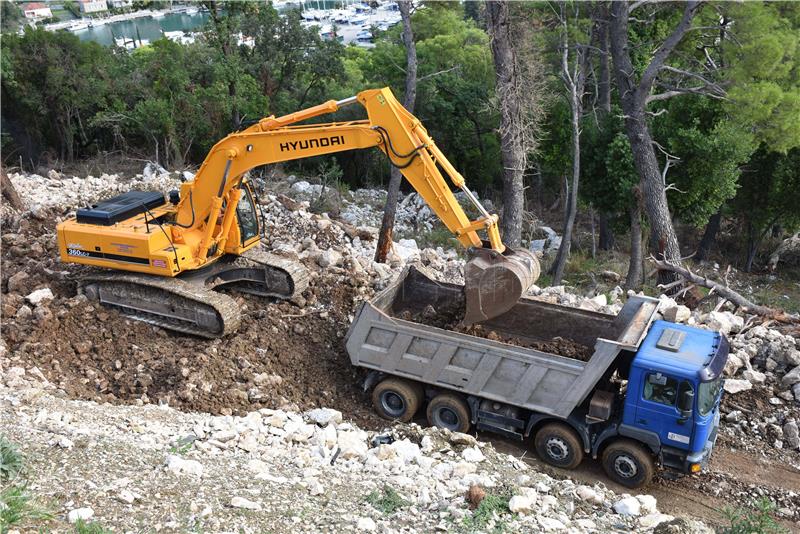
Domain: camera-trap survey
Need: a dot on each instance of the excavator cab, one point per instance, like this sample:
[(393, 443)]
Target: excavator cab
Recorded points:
[(247, 216)]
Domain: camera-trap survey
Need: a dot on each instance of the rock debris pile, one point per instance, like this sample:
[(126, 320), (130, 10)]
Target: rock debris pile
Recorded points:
[(284, 471)]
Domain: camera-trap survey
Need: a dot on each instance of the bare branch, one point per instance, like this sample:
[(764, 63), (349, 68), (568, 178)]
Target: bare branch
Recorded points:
[(434, 74), (726, 293), (672, 186), (667, 47), (683, 91)]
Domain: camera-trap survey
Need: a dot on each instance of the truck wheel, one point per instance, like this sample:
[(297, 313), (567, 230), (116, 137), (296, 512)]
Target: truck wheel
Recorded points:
[(449, 411), (558, 445), (397, 399), (628, 463)]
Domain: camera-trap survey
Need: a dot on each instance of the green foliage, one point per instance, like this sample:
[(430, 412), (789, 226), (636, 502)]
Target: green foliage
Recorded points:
[(387, 500), (711, 150), (10, 460), (81, 527), (493, 506), (764, 73), (768, 196), (182, 445), (758, 520), (17, 505), (10, 16), (608, 175)]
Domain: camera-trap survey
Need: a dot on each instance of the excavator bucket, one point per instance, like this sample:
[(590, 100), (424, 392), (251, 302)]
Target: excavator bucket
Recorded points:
[(494, 282)]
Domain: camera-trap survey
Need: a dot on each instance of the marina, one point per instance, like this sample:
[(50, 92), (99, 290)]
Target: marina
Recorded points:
[(346, 22)]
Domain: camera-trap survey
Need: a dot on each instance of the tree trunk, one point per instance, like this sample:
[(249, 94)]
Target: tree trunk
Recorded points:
[(633, 98), (604, 83), (572, 193), (396, 177), (9, 192), (634, 278), (607, 238), (709, 237), (512, 150), (574, 83)]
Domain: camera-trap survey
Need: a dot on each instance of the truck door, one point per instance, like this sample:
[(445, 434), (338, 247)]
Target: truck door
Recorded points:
[(658, 409)]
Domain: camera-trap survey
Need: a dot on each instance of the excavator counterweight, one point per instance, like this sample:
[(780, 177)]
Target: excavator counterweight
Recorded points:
[(178, 253)]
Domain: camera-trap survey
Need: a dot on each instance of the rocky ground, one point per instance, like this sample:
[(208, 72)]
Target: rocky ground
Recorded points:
[(290, 359)]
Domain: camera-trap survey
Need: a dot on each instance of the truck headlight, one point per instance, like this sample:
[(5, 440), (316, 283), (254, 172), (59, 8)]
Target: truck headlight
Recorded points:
[(695, 468)]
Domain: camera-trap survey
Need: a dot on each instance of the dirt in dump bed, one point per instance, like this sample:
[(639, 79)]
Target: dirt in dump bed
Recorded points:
[(450, 318), (281, 354)]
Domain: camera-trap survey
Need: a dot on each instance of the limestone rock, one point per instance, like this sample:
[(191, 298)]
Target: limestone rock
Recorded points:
[(733, 386)]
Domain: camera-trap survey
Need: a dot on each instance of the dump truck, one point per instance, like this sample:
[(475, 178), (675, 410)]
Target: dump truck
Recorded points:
[(646, 399)]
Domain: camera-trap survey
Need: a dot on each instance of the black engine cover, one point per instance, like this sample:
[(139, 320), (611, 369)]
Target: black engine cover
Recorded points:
[(121, 207)]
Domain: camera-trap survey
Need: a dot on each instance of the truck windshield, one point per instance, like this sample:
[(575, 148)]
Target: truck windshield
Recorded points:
[(707, 395)]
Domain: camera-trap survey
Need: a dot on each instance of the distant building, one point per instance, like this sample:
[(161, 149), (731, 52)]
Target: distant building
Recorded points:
[(119, 4), (36, 10), (93, 6)]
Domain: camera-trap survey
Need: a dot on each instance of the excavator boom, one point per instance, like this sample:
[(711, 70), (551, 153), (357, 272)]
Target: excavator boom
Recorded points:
[(205, 223)]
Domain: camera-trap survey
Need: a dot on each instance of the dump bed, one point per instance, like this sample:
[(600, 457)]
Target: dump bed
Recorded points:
[(378, 339)]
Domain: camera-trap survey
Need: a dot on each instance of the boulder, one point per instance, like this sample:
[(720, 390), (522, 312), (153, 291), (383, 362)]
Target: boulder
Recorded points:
[(677, 314), (323, 416), (733, 386), (521, 504), (39, 296), (754, 377), (353, 444), (628, 506), (179, 465), (719, 321), (791, 435), (80, 514), (329, 258), (791, 378), (472, 454), (247, 504), (17, 281)]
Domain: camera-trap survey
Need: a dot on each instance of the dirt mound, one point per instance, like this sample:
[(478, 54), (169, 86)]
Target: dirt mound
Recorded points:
[(451, 319), (282, 355)]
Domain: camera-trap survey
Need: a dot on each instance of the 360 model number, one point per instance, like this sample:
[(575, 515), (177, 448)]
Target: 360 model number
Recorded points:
[(76, 252)]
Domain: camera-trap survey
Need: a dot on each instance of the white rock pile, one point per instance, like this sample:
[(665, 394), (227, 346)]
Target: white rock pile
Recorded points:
[(294, 472)]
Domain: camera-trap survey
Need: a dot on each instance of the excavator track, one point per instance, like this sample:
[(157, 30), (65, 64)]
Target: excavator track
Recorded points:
[(169, 303), (259, 272), (193, 304)]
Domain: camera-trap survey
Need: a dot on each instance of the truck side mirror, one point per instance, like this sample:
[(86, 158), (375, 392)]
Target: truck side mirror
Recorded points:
[(686, 401)]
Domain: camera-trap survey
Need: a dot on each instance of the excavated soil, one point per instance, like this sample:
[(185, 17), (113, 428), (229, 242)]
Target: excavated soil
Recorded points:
[(451, 319), (282, 354)]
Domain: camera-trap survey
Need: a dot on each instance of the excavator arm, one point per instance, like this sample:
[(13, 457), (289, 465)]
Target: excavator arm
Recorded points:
[(495, 276), (389, 128)]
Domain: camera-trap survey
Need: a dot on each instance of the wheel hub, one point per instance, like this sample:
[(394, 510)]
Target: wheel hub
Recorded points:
[(393, 404), (625, 466), (557, 448), (447, 418)]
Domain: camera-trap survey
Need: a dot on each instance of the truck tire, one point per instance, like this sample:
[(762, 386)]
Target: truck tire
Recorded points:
[(449, 411), (397, 399), (628, 463), (558, 445)]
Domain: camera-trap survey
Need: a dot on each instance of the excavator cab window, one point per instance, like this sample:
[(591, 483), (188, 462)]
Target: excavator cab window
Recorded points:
[(246, 213)]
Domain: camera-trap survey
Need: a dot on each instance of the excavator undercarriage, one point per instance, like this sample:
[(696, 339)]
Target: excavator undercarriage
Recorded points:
[(197, 303)]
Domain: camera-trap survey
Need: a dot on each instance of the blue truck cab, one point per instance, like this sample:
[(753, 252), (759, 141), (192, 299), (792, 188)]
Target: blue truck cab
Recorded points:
[(673, 394)]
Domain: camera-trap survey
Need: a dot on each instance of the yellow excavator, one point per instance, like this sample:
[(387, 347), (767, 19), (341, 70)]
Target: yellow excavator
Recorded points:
[(179, 252)]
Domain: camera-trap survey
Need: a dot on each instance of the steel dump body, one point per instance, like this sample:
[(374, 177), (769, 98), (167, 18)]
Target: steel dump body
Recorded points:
[(524, 377)]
